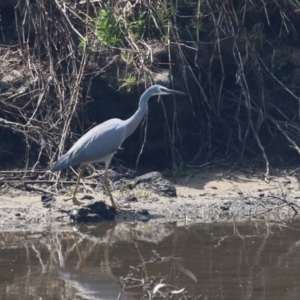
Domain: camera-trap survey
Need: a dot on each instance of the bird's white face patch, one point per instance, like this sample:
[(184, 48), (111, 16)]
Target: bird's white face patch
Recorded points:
[(164, 91)]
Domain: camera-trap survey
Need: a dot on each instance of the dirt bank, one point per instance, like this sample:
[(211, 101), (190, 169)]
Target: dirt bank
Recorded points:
[(202, 196)]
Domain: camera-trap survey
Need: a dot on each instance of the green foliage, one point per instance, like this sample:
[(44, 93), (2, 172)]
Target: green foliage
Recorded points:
[(115, 28), (82, 43), (137, 24), (108, 28), (145, 25), (129, 81), (127, 59)]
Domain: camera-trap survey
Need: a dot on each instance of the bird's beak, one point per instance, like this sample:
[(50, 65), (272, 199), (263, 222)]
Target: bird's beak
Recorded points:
[(173, 92)]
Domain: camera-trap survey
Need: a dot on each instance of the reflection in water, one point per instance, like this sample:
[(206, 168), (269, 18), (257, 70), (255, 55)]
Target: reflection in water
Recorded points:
[(92, 285), (217, 261)]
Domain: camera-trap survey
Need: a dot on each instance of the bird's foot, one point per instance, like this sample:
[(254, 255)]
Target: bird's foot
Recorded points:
[(75, 201)]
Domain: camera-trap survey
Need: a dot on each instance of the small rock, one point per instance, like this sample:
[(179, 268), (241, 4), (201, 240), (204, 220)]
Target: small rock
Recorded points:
[(47, 200), (144, 212), (127, 198), (225, 207), (87, 197), (249, 203), (156, 182), (95, 212)]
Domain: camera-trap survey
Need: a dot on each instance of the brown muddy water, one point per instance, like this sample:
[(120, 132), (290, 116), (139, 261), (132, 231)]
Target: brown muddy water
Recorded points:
[(210, 261)]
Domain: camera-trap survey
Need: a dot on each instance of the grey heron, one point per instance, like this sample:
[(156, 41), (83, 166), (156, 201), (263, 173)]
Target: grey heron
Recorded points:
[(101, 142)]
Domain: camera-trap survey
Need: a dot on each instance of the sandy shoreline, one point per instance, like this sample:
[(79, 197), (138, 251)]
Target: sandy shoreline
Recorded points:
[(206, 196)]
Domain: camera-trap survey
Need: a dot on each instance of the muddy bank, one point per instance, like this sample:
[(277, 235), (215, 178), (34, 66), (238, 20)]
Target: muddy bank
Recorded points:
[(197, 196)]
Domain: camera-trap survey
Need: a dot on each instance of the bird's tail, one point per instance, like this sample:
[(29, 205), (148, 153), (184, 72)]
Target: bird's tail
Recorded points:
[(61, 164)]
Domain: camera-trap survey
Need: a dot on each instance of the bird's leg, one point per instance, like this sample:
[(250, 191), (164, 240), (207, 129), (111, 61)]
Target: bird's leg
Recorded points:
[(106, 183), (73, 198)]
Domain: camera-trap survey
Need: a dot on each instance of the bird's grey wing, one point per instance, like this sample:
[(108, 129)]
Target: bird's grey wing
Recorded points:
[(95, 145)]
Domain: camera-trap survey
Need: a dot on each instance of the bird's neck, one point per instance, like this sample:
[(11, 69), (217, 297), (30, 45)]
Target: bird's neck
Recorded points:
[(134, 121)]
